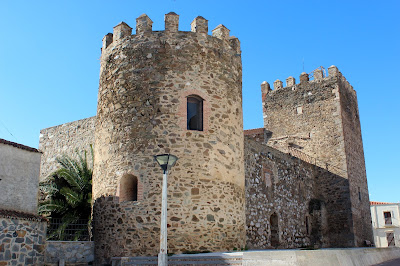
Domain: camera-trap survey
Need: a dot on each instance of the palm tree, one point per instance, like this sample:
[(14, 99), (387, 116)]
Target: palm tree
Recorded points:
[(68, 195)]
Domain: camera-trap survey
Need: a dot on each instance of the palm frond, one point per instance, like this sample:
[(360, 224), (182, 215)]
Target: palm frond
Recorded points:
[(72, 197), (49, 188), (69, 193), (72, 178), (52, 205)]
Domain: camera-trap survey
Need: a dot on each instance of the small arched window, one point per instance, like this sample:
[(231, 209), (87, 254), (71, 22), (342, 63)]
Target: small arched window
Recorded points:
[(128, 188), (194, 113)]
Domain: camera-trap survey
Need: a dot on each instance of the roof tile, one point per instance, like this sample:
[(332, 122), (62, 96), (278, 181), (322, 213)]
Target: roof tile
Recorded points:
[(19, 146)]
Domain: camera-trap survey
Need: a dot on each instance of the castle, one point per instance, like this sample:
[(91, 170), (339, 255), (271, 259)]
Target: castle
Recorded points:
[(299, 181)]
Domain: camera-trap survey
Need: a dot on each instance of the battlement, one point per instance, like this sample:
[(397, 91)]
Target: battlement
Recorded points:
[(318, 75), (144, 27)]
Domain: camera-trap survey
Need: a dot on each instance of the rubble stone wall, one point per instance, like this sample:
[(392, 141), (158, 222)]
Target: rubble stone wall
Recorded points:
[(305, 181), (69, 252), (312, 204), (307, 116), (64, 139), (145, 80), (22, 241), (318, 121), (355, 162)]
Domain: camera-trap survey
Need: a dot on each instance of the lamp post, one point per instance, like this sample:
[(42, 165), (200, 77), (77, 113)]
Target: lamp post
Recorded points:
[(166, 161)]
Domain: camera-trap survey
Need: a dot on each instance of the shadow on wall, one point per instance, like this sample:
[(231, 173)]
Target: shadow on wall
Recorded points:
[(291, 203)]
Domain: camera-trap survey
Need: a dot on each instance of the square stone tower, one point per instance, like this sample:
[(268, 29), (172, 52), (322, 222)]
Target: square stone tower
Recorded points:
[(318, 121)]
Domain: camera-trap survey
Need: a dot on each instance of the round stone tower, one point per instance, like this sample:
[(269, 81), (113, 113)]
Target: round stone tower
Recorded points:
[(169, 92)]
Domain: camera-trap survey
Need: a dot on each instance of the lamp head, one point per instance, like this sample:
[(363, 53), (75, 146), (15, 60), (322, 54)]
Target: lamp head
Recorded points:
[(166, 161)]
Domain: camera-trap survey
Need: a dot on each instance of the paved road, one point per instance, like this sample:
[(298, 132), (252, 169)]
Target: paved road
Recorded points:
[(395, 262)]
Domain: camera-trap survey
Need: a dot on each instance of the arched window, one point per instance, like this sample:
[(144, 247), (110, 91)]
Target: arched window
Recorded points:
[(128, 188), (194, 113)]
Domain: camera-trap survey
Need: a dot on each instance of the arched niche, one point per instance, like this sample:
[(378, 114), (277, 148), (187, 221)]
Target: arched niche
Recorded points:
[(128, 188)]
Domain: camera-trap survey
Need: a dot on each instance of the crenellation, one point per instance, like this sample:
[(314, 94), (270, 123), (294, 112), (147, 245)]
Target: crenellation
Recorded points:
[(333, 71), (121, 30), (221, 32), (298, 175), (278, 84), (326, 110), (265, 87), (304, 77), (171, 22), (107, 40), (168, 69), (318, 74), (144, 24), (199, 25), (235, 44), (290, 81)]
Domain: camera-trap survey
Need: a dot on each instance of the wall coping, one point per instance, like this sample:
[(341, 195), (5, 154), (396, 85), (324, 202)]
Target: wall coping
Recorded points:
[(10, 214)]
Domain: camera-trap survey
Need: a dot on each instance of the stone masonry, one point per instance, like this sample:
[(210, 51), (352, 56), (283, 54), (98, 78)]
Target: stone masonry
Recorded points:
[(69, 252), (22, 238), (64, 139), (319, 119), (22, 231), (298, 182), (312, 205), (145, 80)]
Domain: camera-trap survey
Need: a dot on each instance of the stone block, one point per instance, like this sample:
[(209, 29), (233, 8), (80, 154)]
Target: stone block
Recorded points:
[(171, 22), (221, 32), (121, 31), (199, 25), (143, 24)]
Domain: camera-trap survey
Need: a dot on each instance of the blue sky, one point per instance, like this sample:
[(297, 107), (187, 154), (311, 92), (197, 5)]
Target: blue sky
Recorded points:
[(49, 61)]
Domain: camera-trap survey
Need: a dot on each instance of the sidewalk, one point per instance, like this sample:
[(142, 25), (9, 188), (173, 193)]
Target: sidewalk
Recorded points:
[(395, 262)]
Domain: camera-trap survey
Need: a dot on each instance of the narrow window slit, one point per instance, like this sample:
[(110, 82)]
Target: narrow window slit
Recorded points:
[(194, 113)]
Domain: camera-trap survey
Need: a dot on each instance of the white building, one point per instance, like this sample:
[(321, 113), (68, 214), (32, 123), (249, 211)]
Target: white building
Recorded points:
[(19, 177), (386, 223)]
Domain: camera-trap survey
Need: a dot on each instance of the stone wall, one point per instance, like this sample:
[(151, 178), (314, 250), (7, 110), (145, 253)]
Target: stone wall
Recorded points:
[(22, 238), (64, 139), (145, 80), (312, 205), (69, 252), (300, 191), (318, 121), (19, 177), (307, 116), (355, 161)]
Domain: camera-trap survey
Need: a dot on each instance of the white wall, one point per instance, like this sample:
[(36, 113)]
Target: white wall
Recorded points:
[(380, 228), (19, 174)]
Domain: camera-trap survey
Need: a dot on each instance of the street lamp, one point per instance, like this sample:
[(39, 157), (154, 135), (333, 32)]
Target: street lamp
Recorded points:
[(166, 161)]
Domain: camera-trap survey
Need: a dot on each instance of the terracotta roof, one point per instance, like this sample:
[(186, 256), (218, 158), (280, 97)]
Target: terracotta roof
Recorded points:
[(21, 215), (19, 146), (380, 203), (254, 131)]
